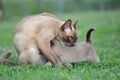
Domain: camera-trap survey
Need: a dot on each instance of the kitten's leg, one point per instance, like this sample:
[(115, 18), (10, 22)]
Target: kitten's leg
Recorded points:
[(49, 63), (68, 65)]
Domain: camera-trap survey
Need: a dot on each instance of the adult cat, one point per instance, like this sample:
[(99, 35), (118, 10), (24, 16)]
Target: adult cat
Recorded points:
[(33, 35)]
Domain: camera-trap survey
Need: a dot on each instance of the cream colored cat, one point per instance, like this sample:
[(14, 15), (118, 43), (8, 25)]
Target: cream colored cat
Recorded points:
[(33, 36)]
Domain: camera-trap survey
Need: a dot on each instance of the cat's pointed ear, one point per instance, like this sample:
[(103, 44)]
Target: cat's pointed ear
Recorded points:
[(74, 24), (67, 25)]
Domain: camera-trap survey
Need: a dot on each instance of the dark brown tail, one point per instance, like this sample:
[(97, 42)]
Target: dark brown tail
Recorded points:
[(4, 59), (88, 40)]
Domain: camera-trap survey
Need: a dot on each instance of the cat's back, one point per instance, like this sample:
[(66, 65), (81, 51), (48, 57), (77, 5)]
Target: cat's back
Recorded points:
[(35, 22)]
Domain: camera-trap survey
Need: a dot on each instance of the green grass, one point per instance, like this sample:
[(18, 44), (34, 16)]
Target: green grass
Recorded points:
[(105, 39)]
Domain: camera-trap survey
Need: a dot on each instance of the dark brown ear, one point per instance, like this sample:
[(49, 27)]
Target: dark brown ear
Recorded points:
[(74, 25), (66, 25)]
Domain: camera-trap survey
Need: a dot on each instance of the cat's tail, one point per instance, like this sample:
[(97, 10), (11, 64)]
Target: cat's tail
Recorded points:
[(4, 59), (88, 39)]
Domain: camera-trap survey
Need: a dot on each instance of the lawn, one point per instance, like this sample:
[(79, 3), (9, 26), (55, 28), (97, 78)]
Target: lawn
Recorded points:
[(105, 39)]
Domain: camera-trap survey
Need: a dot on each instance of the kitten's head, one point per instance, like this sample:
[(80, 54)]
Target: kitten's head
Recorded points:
[(68, 33)]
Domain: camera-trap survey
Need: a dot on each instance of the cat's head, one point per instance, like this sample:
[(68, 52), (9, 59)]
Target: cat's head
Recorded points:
[(68, 32)]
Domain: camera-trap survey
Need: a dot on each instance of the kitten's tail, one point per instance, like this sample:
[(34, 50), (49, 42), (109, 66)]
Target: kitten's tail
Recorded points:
[(88, 40)]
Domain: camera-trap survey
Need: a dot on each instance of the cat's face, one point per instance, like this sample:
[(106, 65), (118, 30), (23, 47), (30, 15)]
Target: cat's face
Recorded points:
[(68, 33)]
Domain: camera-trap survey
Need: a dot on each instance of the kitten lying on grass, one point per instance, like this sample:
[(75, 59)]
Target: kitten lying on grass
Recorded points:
[(83, 51)]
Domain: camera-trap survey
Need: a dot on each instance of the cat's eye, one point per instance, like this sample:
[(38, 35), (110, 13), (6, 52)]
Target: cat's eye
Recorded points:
[(72, 37), (66, 39)]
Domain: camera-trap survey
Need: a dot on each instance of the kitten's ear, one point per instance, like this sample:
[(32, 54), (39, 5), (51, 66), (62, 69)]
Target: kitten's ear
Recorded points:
[(67, 25), (74, 25)]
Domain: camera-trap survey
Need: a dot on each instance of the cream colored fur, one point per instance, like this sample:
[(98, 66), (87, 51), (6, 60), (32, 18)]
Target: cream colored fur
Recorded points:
[(33, 36)]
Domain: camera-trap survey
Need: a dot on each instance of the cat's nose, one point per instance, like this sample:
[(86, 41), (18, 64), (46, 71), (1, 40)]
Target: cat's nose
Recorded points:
[(72, 44)]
